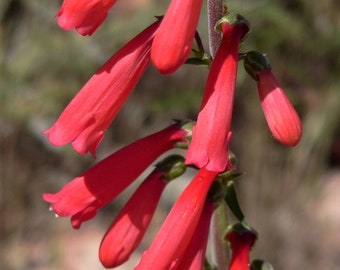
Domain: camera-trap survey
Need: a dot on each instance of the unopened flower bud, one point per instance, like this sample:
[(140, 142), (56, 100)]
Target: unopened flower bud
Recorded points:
[(282, 119)]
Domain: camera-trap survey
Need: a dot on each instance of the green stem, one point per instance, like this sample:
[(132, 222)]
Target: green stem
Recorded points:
[(219, 248)]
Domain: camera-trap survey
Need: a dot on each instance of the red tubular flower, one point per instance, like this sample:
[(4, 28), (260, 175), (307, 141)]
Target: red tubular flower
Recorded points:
[(174, 38), (241, 241), (85, 119), (128, 228), (177, 230), (209, 146), (83, 15), (84, 195), (195, 254), (282, 119)]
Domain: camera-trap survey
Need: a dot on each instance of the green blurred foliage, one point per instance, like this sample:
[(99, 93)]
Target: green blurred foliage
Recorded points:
[(42, 67)]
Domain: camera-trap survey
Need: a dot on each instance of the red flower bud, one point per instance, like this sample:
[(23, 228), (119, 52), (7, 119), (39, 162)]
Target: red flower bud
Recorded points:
[(173, 41), (128, 228), (282, 119)]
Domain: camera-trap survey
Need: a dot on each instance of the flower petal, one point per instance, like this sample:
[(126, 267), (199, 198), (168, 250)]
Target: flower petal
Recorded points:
[(176, 232), (92, 190), (173, 41), (86, 118), (128, 228), (282, 119), (209, 146), (83, 15)]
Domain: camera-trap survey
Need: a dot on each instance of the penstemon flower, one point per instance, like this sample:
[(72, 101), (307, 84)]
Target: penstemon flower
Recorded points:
[(282, 119), (83, 15), (173, 41), (86, 118), (241, 240), (209, 146), (128, 228), (181, 242), (194, 256), (84, 195), (174, 236)]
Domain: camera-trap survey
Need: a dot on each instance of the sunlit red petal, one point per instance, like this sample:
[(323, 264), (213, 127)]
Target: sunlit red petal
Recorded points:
[(128, 228), (174, 39), (209, 146), (86, 118), (83, 15), (282, 119), (177, 230), (81, 197), (195, 254)]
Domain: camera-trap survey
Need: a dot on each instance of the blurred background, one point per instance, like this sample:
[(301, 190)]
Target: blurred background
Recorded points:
[(289, 195)]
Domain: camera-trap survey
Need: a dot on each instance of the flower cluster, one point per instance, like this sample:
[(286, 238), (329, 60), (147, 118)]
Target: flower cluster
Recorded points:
[(167, 43)]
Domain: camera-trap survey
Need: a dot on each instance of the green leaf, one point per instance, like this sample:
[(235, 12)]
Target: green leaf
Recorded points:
[(232, 201)]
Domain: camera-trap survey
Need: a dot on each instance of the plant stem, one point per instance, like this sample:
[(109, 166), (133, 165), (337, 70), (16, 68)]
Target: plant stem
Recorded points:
[(215, 12), (219, 248)]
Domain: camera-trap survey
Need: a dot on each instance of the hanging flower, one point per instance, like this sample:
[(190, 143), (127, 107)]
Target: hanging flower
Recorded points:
[(84, 195), (209, 146), (174, 236), (241, 240), (173, 41), (86, 118), (128, 228), (282, 119), (194, 255), (83, 15)]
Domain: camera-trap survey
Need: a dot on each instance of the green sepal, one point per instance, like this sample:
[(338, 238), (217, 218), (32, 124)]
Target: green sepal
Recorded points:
[(258, 264), (240, 229), (198, 61), (255, 63), (216, 192), (172, 167), (186, 125), (159, 17), (232, 158), (229, 175), (200, 58), (233, 19), (232, 202)]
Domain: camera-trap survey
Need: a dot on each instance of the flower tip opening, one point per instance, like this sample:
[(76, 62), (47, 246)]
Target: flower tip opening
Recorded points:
[(241, 235), (233, 20)]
